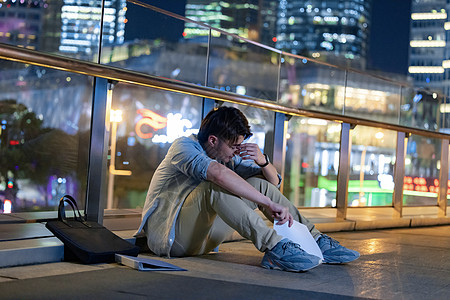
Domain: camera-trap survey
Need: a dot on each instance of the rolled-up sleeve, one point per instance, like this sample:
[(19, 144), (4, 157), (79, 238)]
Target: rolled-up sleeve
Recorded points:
[(190, 160)]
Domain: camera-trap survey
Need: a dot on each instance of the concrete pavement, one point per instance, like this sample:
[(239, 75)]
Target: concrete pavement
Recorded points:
[(412, 263)]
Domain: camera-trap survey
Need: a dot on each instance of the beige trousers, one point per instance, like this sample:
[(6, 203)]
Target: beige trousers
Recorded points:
[(210, 215)]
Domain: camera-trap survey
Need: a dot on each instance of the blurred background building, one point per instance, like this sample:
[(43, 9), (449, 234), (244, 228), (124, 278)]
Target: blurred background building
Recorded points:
[(333, 30)]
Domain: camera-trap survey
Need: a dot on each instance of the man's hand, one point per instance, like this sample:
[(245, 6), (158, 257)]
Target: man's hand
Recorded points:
[(280, 213), (252, 151)]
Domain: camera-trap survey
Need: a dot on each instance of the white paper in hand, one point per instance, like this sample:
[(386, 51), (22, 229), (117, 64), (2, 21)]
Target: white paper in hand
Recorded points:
[(299, 233)]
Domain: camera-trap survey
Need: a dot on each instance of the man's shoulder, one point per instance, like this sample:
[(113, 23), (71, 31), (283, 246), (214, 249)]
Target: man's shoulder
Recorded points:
[(186, 140), (185, 143)]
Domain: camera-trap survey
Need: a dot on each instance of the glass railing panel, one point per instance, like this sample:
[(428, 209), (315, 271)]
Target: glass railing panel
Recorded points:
[(240, 67), (422, 164), (45, 118), (261, 125), (156, 44), (309, 85), (65, 27), (371, 98), (372, 160), (312, 162), (151, 120), (444, 111), (421, 109)]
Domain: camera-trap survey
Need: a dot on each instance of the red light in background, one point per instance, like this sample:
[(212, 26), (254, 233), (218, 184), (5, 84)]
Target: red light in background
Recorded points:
[(274, 39), (305, 165), (125, 21), (14, 142), (183, 34)]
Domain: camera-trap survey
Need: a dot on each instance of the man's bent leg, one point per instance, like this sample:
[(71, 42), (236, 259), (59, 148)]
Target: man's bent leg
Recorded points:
[(271, 191), (198, 230)]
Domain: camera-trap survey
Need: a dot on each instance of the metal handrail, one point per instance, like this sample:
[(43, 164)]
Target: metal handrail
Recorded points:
[(184, 19), (18, 54)]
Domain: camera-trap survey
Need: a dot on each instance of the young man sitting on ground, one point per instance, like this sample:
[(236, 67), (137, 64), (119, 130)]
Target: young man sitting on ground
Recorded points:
[(210, 184)]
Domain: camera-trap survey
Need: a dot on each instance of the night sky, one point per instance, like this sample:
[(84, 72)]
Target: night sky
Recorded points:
[(389, 38)]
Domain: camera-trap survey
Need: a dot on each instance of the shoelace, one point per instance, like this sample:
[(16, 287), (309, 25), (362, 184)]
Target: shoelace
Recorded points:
[(288, 245), (333, 243)]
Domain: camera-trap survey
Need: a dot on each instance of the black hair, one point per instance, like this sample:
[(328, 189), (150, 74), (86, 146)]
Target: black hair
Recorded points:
[(227, 123)]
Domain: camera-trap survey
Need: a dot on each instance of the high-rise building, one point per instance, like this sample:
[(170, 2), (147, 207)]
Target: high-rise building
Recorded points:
[(80, 31), (334, 30), (429, 56), (234, 16), (21, 22), (268, 14)]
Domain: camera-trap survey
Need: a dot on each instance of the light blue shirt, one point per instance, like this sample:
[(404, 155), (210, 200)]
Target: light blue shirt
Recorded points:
[(181, 171)]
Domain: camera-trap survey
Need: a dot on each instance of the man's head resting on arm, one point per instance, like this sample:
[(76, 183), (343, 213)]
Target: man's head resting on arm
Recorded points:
[(222, 131)]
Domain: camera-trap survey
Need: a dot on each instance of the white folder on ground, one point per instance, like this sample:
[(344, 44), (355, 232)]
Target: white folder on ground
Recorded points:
[(146, 264), (299, 233)]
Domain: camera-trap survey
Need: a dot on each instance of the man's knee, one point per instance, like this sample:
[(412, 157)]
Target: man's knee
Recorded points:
[(261, 184)]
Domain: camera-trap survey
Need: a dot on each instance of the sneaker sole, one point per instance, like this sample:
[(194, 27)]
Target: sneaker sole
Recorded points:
[(341, 261), (272, 266)]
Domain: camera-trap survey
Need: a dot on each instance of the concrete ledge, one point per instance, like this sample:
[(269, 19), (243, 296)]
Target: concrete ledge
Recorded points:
[(32, 251), (336, 226), (44, 249), (40, 250), (380, 224), (418, 222)]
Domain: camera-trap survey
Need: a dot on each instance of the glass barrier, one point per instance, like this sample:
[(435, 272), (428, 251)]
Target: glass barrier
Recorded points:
[(312, 162), (65, 27), (420, 109), (45, 118), (422, 164), (444, 111), (243, 68), (372, 159), (368, 97), (151, 120), (306, 84), (158, 48), (261, 125)]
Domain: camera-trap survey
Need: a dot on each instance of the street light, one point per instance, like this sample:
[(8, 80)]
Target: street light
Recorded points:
[(115, 118)]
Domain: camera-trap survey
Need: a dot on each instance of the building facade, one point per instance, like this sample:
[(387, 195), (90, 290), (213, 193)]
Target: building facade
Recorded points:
[(429, 57), (22, 22), (333, 30), (237, 17), (81, 20)]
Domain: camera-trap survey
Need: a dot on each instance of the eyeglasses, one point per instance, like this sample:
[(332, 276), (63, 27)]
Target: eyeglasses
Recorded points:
[(235, 147)]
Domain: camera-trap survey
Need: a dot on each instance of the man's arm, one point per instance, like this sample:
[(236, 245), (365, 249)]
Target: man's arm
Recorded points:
[(229, 180), (252, 151)]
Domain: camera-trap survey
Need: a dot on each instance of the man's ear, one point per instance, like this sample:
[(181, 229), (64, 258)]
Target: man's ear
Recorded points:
[(213, 140)]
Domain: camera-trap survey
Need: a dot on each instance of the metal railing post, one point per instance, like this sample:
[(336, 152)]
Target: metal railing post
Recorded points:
[(278, 155), (399, 174), (343, 172), (443, 180), (98, 149)]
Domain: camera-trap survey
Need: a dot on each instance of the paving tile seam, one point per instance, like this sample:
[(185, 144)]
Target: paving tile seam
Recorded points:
[(9, 277)]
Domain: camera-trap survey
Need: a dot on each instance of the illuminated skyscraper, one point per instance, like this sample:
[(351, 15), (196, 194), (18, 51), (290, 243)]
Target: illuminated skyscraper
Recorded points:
[(22, 22), (80, 31), (429, 56), (331, 29), (268, 14), (233, 16)]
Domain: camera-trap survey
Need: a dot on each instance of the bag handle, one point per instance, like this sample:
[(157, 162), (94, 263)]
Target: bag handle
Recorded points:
[(62, 213)]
